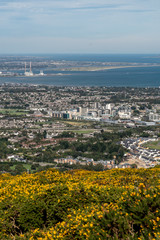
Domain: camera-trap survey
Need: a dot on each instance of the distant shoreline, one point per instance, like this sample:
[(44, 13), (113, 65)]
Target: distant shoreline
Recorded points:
[(35, 75), (94, 69)]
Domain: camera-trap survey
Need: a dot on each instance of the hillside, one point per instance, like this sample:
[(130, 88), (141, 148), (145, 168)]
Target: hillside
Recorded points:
[(115, 204)]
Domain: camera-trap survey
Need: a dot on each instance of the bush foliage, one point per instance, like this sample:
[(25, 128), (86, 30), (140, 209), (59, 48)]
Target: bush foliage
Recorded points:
[(79, 204)]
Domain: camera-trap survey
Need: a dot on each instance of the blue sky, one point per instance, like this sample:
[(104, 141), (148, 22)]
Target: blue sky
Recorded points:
[(83, 26)]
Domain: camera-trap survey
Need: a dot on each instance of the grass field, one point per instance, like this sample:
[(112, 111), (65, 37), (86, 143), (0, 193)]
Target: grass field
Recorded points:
[(84, 131), (77, 123), (153, 145), (27, 166), (14, 112)]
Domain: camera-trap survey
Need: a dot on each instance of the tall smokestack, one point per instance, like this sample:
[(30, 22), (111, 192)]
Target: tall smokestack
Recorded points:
[(25, 67), (30, 67)]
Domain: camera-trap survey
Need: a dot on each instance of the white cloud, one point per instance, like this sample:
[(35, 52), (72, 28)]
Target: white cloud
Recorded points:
[(79, 25), (80, 5)]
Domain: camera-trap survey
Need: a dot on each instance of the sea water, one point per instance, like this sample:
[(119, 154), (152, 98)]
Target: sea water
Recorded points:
[(122, 77)]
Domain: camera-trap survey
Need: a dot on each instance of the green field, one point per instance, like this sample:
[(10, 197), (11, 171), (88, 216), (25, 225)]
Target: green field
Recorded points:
[(13, 112), (153, 145), (27, 166), (76, 123), (84, 131)]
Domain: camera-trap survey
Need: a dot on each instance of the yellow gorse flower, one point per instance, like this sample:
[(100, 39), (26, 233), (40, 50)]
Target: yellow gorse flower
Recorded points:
[(87, 200)]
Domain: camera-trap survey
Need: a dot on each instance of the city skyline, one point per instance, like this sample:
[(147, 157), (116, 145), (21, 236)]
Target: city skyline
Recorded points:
[(118, 26)]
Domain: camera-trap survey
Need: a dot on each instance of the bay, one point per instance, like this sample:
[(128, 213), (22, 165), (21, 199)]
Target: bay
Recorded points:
[(122, 77)]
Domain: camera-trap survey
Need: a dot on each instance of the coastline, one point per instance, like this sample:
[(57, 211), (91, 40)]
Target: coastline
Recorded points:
[(95, 69)]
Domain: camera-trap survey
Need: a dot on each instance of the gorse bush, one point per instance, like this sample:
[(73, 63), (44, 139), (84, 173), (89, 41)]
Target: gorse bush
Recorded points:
[(79, 204)]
